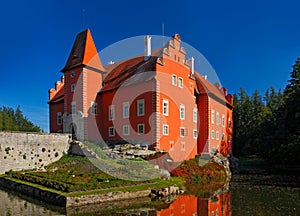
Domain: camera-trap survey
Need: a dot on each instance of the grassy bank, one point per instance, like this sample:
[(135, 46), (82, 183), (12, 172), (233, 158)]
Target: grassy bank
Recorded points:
[(76, 175)]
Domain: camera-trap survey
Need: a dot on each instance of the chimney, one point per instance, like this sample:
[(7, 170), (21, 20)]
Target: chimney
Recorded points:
[(147, 47), (192, 66), (205, 77)]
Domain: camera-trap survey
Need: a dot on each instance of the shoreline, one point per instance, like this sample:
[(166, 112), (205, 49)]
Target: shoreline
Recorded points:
[(74, 199), (190, 175)]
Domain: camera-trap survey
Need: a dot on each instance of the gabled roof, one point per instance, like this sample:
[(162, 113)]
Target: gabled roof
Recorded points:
[(206, 87), (132, 71), (84, 52)]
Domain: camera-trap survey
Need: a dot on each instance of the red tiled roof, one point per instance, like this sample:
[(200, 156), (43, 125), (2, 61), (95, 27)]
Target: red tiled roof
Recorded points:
[(206, 87), (84, 52), (130, 72)]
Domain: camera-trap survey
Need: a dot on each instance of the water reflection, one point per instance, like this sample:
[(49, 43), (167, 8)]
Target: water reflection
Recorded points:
[(243, 198), (191, 205), (13, 204), (213, 205)]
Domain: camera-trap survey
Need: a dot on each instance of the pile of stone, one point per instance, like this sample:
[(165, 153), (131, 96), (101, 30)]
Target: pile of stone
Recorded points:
[(164, 192), (123, 151)]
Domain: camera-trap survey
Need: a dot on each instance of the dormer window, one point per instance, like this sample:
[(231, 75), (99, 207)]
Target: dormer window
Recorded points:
[(72, 74)]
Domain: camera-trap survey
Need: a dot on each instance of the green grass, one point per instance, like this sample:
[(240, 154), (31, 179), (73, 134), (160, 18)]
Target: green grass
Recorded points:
[(33, 185), (157, 184), (75, 175)]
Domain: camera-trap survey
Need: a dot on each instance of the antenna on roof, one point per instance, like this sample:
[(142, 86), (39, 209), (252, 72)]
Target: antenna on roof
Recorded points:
[(83, 23)]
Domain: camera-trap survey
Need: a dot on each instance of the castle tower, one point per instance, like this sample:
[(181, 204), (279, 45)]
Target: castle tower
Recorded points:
[(83, 74)]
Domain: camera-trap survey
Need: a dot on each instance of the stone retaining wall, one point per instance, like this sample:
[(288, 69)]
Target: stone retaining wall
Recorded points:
[(43, 195), (106, 197), (69, 201), (30, 150)]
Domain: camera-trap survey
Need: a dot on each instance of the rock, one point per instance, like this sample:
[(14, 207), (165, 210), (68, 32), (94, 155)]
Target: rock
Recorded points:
[(223, 161), (213, 151), (165, 192), (165, 174)]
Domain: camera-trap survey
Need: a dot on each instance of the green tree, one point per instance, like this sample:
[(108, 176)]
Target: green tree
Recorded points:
[(294, 83), (14, 120)]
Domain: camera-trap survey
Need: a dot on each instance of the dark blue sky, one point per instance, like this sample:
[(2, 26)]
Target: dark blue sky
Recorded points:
[(252, 44)]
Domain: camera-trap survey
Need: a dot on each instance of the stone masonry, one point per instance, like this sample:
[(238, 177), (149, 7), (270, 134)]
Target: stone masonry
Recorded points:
[(21, 151)]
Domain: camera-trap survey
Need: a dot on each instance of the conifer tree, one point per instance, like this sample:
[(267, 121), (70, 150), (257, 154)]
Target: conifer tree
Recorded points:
[(14, 120)]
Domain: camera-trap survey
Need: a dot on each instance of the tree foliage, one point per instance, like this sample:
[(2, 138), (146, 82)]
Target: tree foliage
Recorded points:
[(14, 120), (269, 126)]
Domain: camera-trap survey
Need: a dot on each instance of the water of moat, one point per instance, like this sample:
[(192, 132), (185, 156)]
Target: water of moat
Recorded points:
[(258, 194)]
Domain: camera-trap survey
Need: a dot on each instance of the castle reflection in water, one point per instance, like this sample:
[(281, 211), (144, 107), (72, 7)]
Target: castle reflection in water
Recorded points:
[(187, 205), (218, 205)]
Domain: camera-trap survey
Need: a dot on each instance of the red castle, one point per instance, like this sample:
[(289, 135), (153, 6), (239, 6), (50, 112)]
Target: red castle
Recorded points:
[(155, 99)]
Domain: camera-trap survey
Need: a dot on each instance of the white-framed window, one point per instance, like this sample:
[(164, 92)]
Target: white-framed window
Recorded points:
[(94, 108), (217, 135), (180, 82), (73, 107), (217, 118), (59, 118), (212, 116), (111, 131), (195, 134), (141, 128), (182, 131), (111, 112), (73, 87), (165, 129), (182, 111), (126, 110), (174, 80), (229, 122), (141, 107), (182, 146), (165, 106), (195, 115), (126, 130), (223, 120), (213, 134)]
